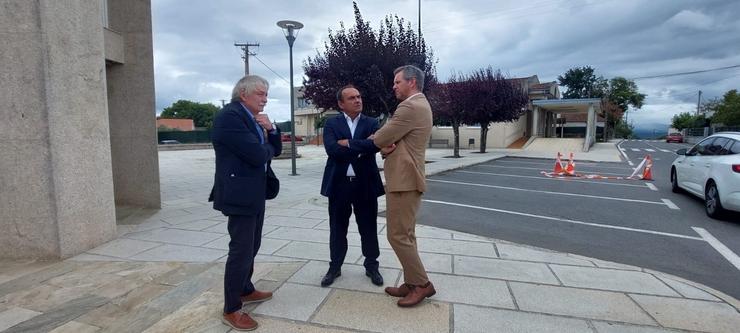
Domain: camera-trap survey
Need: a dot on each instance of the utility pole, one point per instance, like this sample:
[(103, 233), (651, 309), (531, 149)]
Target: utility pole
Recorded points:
[(698, 104), (223, 102), (419, 23), (245, 49)]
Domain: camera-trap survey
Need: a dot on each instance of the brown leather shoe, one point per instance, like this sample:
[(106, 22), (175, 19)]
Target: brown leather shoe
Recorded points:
[(417, 294), (400, 291), (239, 321), (256, 297)]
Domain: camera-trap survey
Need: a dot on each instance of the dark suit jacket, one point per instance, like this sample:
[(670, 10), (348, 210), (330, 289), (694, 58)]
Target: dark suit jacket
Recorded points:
[(361, 154), (239, 184)]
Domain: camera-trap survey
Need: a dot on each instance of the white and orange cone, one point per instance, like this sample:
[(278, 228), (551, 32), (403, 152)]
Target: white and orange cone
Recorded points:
[(558, 165), (647, 172), (570, 169)]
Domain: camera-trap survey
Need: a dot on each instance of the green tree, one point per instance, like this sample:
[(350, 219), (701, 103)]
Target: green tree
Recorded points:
[(620, 95), (285, 126), (320, 121), (201, 113), (688, 120), (366, 59), (624, 93), (582, 82), (623, 130), (727, 111)]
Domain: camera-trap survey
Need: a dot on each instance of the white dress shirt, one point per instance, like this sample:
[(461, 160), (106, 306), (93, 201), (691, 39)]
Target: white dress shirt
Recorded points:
[(352, 126)]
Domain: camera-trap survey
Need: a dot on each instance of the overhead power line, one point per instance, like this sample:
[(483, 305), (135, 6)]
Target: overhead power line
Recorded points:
[(685, 73), (271, 70)]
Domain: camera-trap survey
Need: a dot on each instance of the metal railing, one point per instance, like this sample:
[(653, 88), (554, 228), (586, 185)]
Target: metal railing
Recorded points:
[(694, 135)]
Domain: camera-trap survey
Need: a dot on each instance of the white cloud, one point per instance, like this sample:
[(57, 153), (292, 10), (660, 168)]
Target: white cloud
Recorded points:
[(692, 20), (195, 57)]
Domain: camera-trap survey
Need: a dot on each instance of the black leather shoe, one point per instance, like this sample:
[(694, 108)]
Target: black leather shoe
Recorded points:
[(374, 276), (329, 277)]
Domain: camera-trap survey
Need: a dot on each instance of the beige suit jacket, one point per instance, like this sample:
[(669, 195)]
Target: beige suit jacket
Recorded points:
[(409, 128)]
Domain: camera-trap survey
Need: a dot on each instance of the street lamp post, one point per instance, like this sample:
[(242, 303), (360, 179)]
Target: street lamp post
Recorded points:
[(289, 28)]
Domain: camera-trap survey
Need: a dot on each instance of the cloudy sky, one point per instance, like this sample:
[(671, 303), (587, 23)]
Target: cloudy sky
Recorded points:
[(195, 59)]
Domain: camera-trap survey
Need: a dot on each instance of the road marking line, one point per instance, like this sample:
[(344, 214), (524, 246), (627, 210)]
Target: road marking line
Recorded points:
[(717, 245), (624, 153), (635, 149), (666, 151), (651, 186), (527, 168), (549, 192), (631, 164), (650, 150), (559, 219), (547, 178), (548, 164), (670, 204)]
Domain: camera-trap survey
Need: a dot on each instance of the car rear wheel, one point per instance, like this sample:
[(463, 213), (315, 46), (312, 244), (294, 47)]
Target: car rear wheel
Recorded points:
[(674, 182), (712, 203)]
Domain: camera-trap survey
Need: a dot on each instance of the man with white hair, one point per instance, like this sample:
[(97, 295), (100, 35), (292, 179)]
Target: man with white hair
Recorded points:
[(245, 142)]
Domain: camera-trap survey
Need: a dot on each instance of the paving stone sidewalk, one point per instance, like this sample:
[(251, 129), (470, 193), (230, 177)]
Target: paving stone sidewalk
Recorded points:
[(164, 273)]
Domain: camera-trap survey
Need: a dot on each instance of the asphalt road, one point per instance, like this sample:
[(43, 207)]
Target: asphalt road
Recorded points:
[(634, 222)]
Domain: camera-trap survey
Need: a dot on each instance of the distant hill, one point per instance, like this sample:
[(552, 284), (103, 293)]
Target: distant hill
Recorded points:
[(650, 131)]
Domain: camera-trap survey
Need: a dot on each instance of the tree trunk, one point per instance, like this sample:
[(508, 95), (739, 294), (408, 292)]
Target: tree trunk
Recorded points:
[(456, 140), (483, 138)]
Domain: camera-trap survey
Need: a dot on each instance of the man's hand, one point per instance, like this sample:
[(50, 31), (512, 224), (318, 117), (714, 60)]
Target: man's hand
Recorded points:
[(343, 142), (385, 151), (264, 121)]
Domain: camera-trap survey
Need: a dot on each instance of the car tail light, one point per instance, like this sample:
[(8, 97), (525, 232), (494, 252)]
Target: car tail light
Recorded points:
[(736, 168)]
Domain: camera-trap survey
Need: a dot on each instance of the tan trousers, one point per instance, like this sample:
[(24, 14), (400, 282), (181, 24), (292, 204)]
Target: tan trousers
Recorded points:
[(401, 208)]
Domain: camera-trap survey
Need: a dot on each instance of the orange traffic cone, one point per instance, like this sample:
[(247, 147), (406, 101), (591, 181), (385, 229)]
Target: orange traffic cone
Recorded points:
[(558, 165), (570, 169), (647, 173)]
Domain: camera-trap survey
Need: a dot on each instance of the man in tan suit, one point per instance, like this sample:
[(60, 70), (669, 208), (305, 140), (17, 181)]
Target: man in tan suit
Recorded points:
[(403, 141)]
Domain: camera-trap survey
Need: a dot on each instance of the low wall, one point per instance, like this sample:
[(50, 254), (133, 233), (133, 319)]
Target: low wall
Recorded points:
[(185, 146)]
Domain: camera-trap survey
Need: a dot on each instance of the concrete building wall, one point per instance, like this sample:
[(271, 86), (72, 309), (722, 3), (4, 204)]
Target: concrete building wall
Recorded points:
[(56, 190), (500, 135), (133, 134)]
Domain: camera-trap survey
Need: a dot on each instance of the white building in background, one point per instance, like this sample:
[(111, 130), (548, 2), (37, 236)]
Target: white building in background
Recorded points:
[(501, 135)]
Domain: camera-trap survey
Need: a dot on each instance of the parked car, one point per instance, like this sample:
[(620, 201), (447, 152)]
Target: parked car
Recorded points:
[(674, 137), (711, 170), (286, 138), (169, 142)]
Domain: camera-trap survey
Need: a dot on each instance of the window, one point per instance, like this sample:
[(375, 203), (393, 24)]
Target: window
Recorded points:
[(303, 103), (717, 146), (701, 148), (735, 149)]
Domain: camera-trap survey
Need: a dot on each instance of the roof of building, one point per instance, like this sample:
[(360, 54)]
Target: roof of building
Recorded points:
[(181, 124)]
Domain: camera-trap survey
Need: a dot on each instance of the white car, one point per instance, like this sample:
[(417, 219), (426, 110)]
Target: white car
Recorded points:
[(711, 170)]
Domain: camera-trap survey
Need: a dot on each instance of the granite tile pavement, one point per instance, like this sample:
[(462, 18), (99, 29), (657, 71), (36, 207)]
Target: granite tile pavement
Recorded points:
[(164, 273)]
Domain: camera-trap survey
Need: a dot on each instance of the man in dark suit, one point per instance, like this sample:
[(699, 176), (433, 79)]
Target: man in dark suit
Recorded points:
[(245, 142), (352, 182)]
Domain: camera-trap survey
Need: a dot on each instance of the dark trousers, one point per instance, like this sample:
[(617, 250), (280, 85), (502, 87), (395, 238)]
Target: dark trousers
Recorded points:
[(346, 197), (246, 236)]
